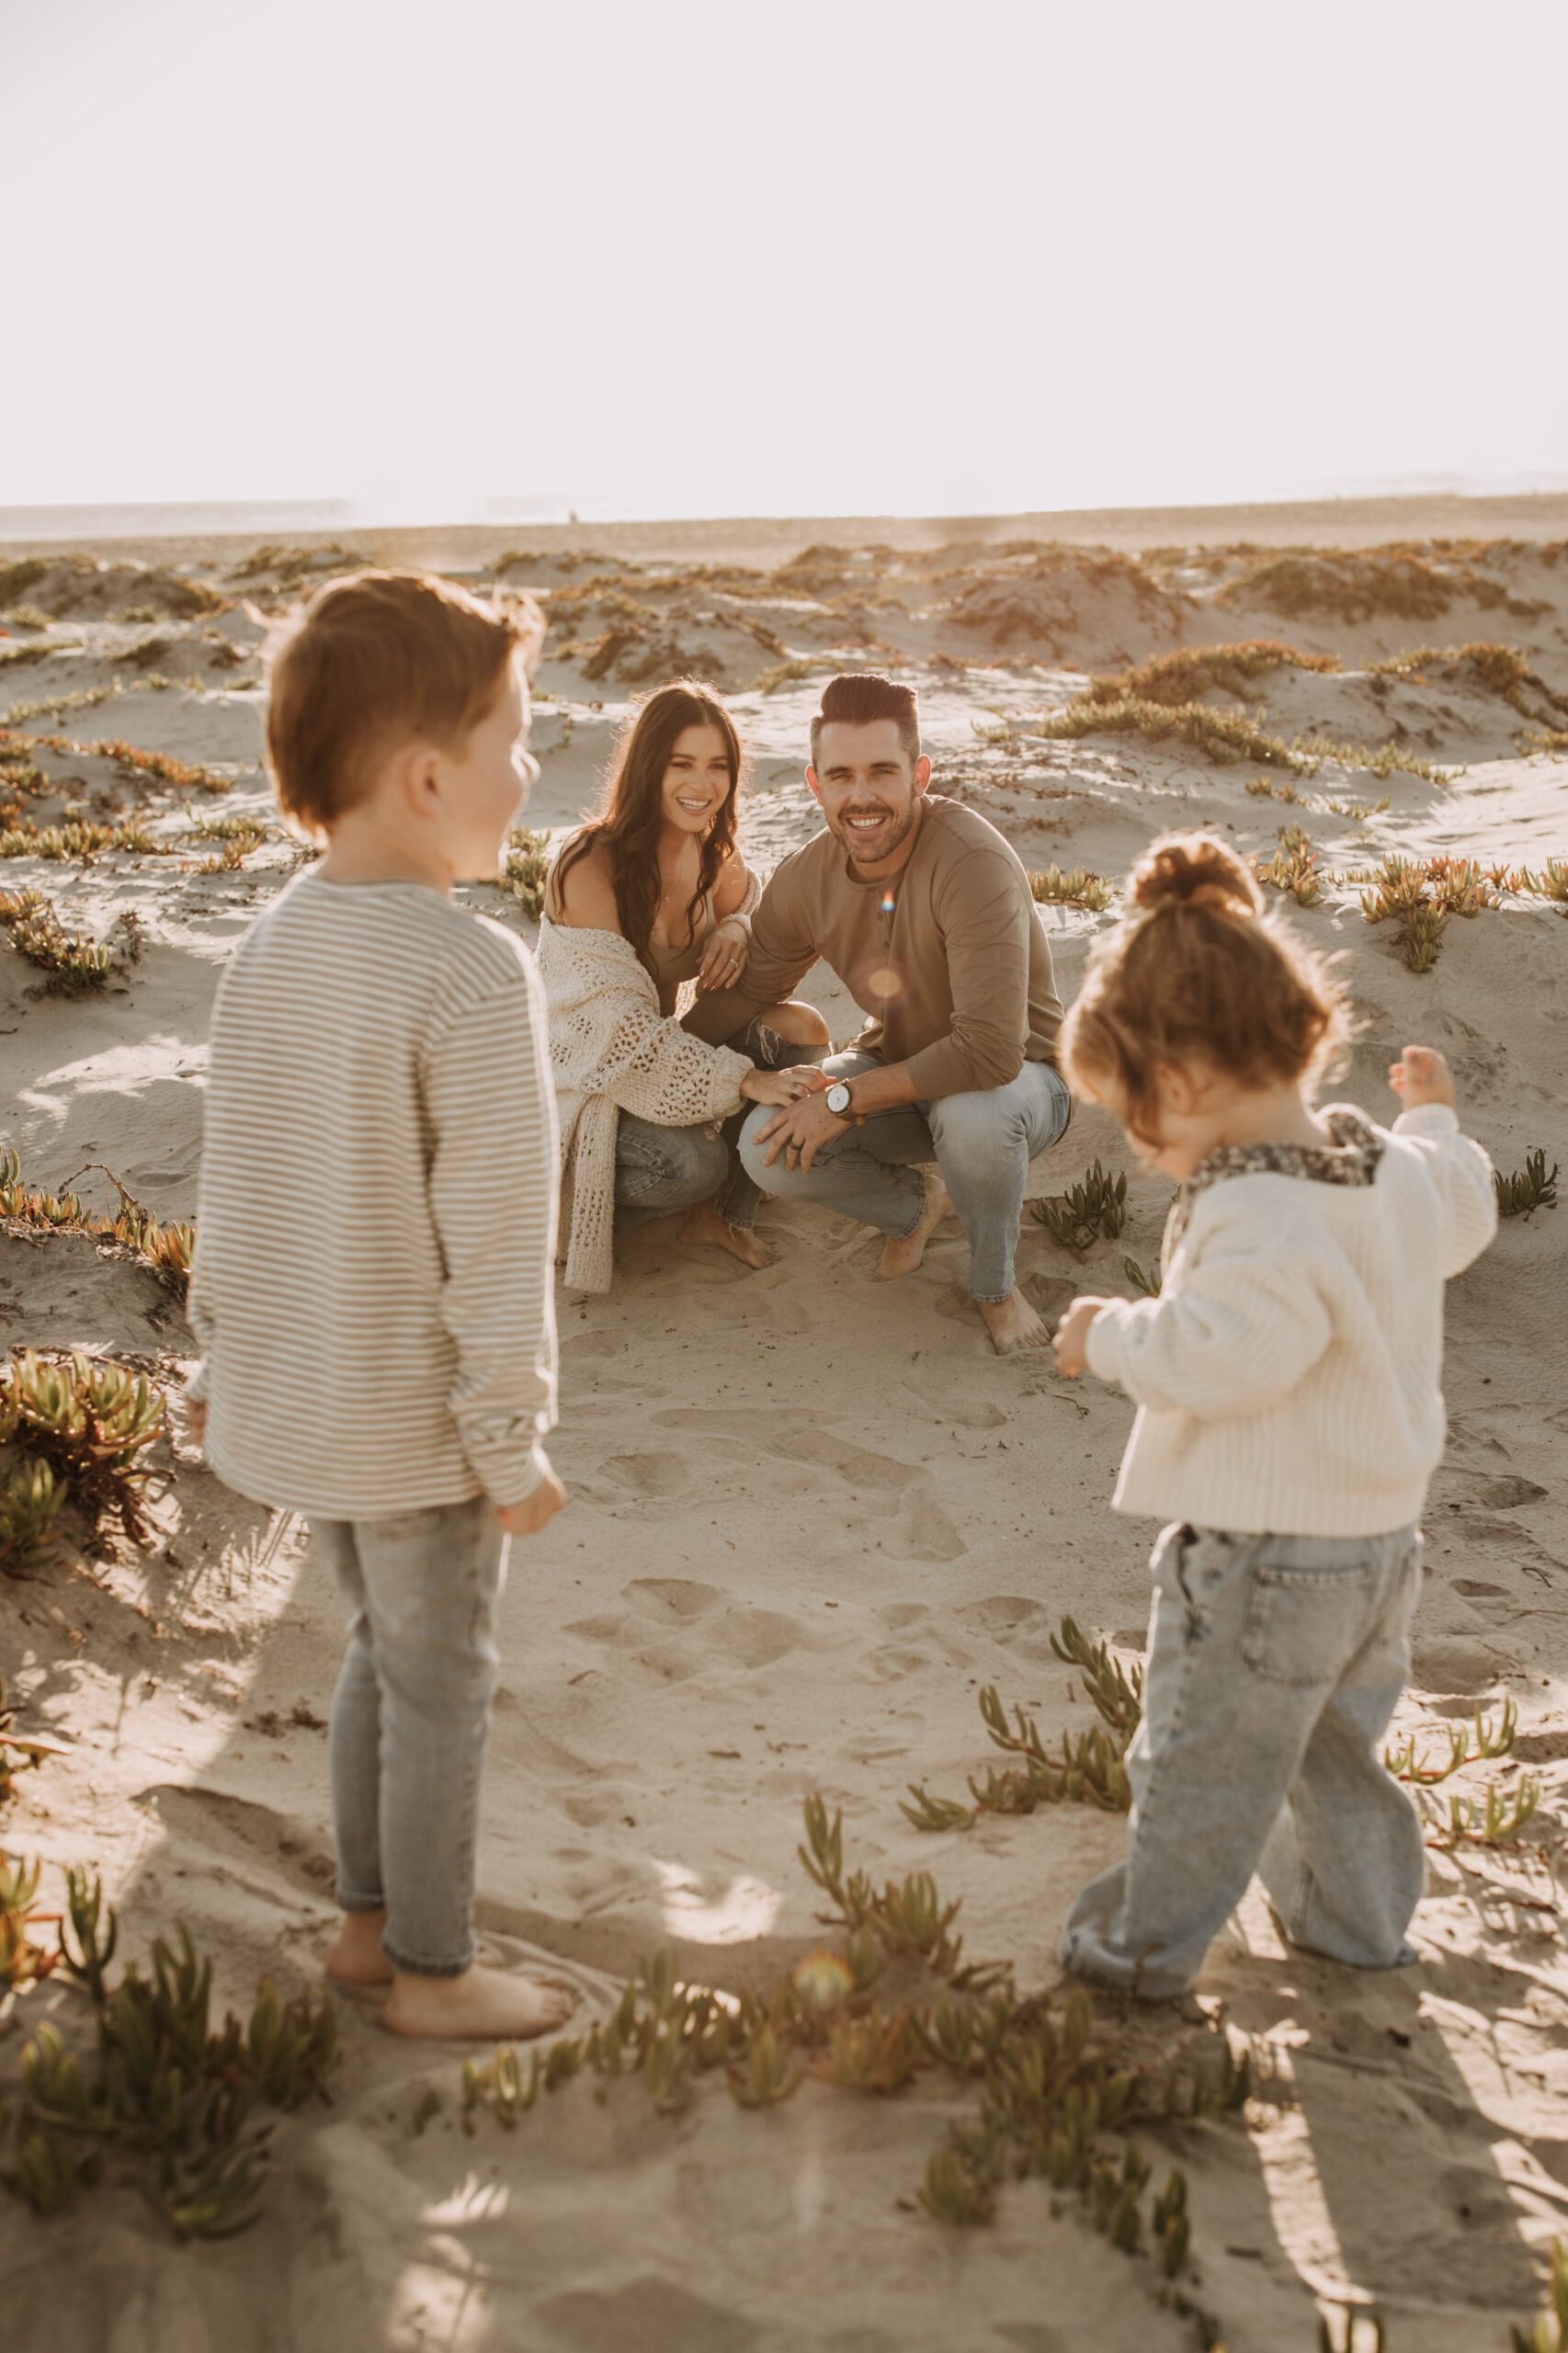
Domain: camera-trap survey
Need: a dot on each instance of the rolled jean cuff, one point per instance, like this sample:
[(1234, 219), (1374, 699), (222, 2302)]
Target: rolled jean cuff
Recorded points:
[(359, 1904), (407, 1967)]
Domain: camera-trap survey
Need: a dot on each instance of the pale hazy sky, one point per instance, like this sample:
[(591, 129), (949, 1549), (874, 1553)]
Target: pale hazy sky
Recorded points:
[(711, 256)]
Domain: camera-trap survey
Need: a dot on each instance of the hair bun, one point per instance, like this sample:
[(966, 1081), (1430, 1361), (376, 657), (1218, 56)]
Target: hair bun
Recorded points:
[(1193, 871)]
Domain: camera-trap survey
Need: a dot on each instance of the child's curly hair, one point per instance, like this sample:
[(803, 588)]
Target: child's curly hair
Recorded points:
[(1197, 972)]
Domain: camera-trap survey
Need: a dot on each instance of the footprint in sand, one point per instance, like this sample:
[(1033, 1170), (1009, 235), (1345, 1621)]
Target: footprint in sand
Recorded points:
[(681, 1598)]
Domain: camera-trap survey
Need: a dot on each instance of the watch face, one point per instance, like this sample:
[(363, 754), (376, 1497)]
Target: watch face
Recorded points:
[(839, 1099)]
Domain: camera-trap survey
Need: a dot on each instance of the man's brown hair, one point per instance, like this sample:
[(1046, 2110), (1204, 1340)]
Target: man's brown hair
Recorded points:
[(857, 697), (1194, 972), (379, 659)]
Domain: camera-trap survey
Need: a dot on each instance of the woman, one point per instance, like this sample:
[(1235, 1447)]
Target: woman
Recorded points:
[(651, 893)]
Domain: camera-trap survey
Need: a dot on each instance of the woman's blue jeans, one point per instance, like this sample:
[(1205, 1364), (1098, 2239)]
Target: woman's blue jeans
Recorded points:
[(409, 1718), (659, 1170)]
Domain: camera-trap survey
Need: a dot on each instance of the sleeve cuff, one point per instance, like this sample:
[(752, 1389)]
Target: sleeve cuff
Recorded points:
[(1428, 1120), (517, 1484), (1102, 1348)]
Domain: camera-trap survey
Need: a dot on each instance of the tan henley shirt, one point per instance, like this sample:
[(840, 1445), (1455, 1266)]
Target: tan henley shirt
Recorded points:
[(949, 959)]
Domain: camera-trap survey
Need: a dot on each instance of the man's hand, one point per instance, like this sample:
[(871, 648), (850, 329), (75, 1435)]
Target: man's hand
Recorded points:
[(1070, 1335), (1422, 1075), (196, 1421), (528, 1519), (799, 1132), (724, 954)]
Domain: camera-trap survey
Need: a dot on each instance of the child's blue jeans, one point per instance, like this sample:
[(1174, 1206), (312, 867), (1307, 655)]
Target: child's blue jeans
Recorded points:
[(409, 1719), (1274, 1664)]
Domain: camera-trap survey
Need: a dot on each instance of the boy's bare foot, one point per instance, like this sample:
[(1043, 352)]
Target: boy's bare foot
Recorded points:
[(705, 1224), (357, 1958), (902, 1256), (481, 2006), (1011, 1322)]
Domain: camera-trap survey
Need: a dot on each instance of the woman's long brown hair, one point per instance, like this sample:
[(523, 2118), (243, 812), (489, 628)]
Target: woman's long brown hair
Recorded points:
[(632, 810)]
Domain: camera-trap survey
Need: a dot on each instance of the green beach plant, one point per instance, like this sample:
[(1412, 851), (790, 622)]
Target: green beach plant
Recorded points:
[(1095, 1207), (1080, 887), (1060, 2092), (74, 1427), (1527, 1188), (527, 871), (71, 960), (165, 2094), (1550, 2332)]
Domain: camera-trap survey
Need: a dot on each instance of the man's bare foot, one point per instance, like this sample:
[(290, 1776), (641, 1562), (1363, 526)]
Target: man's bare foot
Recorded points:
[(481, 2006), (705, 1224), (357, 1958), (903, 1255), (1011, 1322)]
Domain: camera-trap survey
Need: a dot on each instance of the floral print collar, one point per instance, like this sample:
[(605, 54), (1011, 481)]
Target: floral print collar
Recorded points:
[(1351, 1159)]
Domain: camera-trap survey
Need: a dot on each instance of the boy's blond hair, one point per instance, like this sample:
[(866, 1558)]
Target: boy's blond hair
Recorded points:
[(1197, 972), (376, 660)]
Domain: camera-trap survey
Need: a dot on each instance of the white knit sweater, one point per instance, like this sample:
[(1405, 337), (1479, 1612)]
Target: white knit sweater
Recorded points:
[(1288, 1376), (612, 1050)]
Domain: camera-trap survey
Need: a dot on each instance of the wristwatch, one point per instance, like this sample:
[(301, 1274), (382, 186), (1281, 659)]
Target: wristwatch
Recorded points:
[(839, 1101)]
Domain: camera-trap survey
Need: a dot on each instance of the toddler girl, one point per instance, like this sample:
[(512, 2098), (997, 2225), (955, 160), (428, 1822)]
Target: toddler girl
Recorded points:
[(1289, 1418)]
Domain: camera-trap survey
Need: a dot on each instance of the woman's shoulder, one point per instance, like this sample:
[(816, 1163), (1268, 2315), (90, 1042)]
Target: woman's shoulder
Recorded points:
[(581, 887), (733, 884)]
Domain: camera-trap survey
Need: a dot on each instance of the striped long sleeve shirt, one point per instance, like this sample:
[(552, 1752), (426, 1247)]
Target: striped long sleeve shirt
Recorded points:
[(372, 1291)]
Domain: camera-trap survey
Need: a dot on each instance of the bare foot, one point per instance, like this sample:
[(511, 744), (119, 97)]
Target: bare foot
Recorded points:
[(1011, 1322), (705, 1224), (481, 2006), (903, 1255), (357, 1958)]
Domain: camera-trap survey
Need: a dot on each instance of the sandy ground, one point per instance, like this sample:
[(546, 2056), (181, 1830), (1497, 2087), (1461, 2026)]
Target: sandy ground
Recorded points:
[(812, 1516)]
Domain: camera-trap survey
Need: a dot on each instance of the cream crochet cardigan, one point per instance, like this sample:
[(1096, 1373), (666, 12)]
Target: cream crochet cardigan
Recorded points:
[(612, 1050)]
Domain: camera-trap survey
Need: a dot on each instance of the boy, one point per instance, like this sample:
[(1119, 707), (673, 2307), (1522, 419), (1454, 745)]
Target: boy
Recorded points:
[(372, 1291)]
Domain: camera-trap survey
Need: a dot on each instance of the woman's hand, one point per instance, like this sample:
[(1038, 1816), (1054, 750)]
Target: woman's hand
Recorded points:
[(782, 1088), (724, 954)]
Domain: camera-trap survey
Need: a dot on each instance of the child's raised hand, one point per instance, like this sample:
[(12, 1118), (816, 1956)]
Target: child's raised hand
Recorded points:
[(528, 1519), (1070, 1335), (1422, 1075)]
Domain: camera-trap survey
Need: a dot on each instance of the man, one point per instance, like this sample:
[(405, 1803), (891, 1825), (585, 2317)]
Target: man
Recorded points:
[(925, 915)]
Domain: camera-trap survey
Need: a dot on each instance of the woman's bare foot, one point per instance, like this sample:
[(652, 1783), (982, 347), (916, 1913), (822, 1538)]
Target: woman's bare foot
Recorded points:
[(705, 1224), (903, 1255), (1011, 1322), (357, 1958), (481, 2006)]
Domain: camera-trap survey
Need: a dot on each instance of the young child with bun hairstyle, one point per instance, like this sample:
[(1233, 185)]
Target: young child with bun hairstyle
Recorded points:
[(1290, 1415)]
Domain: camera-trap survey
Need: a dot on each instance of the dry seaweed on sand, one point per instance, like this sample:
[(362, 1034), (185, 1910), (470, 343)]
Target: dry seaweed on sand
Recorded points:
[(1077, 1218), (166, 2098), (1188, 672)]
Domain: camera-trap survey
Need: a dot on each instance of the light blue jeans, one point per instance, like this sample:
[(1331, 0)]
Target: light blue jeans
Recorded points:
[(659, 1170), (1274, 1664), (983, 1142), (409, 1718)]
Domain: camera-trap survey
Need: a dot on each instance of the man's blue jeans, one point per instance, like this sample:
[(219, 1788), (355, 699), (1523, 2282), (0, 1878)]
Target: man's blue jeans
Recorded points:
[(983, 1142), (1274, 1663)]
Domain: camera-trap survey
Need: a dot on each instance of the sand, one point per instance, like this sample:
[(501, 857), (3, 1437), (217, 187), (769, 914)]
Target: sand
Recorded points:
[(812, 1516)]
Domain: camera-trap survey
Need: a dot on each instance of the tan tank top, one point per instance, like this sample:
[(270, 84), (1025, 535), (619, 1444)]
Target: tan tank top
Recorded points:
[(674, 965)]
